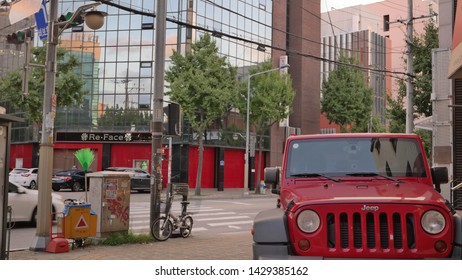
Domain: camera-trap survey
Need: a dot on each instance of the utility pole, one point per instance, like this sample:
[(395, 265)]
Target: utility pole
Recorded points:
[(158, 112), (410, 59), (42, 236), (43, 232), (410, 71)]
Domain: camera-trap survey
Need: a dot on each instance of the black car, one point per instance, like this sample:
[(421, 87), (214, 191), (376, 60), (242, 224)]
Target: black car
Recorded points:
[(140, 180), (73, 179)]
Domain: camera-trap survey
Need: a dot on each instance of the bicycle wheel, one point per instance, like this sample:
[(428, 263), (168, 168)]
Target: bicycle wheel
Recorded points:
[(186, 226), (161, 229)]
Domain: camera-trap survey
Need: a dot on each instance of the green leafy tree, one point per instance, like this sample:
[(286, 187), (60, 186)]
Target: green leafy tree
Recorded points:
[(271, 96), (68, 85), (347, 100), (119, 117), (373, 124), (426, 137), (203, 83), (396, 113), (422, 62), (422, 50)]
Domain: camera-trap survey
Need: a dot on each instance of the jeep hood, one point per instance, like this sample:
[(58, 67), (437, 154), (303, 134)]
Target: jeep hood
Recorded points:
[(380, 191)]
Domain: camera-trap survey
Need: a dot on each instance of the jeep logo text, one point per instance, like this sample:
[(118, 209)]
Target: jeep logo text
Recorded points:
[(369, 208)]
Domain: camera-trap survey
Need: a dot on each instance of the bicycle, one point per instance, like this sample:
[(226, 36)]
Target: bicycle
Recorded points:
[(163, 227)]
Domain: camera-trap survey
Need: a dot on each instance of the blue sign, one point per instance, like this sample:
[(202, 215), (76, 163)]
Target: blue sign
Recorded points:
[(41, 19)]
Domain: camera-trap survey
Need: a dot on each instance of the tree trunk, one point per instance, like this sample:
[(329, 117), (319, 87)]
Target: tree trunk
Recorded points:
[(35, 131), (199, 164)]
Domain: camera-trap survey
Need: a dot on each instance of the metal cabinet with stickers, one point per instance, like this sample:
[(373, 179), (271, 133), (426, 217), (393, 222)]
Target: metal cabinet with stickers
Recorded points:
[(109, 195)]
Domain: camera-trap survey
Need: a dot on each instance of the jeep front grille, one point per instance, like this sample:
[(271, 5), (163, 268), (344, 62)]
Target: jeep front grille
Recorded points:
[(371, 230)]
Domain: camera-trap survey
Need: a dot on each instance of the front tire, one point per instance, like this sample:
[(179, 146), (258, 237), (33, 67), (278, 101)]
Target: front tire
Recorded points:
[(161, 229), (33, 185), (33, 219), (56, 188), (76, 187), (186, 226)]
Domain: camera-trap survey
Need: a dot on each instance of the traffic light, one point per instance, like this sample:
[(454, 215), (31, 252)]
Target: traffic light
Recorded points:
[(19, 37), (174, 119), (78, 19)]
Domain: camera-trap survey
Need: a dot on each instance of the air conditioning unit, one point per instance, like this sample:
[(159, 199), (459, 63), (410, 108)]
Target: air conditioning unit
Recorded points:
[(291, 131)]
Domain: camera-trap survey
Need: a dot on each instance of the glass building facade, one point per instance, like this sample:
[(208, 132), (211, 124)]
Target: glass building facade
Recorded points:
[(117, 61)]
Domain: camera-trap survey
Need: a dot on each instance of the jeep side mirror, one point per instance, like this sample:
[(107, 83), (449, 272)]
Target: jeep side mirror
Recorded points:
[(272, 178), (439, 176)]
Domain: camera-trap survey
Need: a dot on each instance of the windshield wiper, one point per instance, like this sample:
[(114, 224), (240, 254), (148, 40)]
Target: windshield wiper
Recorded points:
[(365, 174), (307, 175)]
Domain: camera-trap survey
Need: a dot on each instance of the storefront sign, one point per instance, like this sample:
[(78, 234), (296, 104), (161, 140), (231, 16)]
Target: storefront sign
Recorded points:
[(112, 137)]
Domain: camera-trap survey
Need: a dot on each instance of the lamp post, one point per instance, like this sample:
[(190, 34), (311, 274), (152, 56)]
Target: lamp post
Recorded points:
[(43, 233), (247, 128)]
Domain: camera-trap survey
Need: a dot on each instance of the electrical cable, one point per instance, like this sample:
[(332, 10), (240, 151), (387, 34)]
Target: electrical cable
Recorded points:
[(239, 38)]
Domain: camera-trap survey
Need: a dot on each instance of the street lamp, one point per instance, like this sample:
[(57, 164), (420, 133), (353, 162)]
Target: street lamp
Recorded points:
[(43, 233), (247, 123)]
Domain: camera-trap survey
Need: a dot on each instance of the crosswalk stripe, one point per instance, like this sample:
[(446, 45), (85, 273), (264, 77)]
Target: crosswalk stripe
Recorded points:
[(199, 213), (140, 222), (212, 217), (206, 210), (222, 218), (135, 211), (230, 223), (214, 214), (138, 228), (142, 216)]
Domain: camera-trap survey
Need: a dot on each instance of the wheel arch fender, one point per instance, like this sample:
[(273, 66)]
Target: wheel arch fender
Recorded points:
[(457, 250), (270, 226)]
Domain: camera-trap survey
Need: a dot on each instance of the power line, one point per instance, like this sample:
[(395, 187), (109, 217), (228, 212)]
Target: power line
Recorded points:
[(289, 51), (299, 37)]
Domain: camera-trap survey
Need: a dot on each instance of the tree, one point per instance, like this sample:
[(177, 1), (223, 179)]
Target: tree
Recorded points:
[(203, 83), (68, 85), (422, 62), (347, 100), (271, 96), (123, 119), (426, 137), (422, 53), (396, 113)]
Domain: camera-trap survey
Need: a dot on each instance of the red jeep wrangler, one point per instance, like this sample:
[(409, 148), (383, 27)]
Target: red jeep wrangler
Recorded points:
[(357, 196)]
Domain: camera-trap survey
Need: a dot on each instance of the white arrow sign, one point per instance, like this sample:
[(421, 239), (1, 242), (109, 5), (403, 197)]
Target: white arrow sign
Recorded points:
[(22, 9)]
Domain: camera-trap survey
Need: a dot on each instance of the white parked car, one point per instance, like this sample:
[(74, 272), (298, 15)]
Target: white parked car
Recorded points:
[(24, 202), (26, 177)]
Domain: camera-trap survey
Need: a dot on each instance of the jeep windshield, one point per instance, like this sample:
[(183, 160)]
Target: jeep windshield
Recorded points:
[(362, 156)]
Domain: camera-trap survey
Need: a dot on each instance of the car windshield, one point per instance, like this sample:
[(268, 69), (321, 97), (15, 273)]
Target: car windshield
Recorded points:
[(381, 157), (19, 171)]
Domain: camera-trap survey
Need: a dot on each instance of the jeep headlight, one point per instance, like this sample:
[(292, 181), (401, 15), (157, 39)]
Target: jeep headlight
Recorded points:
[(308, 221), (433, 222)]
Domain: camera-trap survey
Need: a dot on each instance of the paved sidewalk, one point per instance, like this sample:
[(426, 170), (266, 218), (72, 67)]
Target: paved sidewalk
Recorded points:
[(198, 246)]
